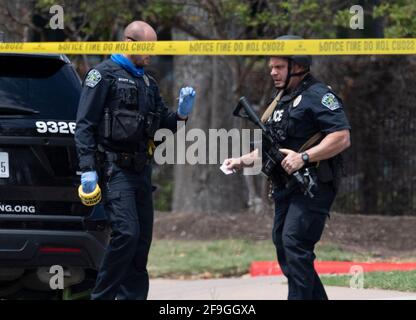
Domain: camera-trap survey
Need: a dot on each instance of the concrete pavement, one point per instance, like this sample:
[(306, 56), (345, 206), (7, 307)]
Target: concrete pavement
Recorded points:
[(255, 288)]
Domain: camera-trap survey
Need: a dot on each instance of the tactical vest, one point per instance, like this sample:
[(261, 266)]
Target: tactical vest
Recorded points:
[(131, 116), (278, 122), (279, 125)]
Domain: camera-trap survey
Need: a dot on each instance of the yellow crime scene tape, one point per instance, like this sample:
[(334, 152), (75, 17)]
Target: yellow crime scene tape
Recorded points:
[(223, 47)]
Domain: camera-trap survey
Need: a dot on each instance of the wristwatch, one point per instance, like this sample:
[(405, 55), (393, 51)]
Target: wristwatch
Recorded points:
[(305, 157)]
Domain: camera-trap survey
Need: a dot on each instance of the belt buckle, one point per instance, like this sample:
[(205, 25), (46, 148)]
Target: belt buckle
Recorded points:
[(124, 160), (110, 156)]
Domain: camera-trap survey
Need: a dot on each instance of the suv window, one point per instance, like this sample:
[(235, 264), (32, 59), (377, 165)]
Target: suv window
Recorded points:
[(48, 86)]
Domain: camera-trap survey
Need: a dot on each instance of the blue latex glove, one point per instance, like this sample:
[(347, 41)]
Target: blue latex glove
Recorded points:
[(186, 101), (89, 181)]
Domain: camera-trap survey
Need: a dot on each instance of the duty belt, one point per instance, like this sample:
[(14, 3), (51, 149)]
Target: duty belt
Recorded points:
[(133, 161)]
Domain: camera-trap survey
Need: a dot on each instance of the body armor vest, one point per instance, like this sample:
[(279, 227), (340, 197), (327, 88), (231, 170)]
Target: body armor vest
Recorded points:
[(131, 116)]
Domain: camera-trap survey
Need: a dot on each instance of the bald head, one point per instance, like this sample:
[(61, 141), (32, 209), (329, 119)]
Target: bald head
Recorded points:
[(140, 31)]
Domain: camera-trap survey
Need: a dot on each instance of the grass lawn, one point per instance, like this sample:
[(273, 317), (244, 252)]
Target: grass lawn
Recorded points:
[(395, 280), (228, 258), (224, 258), (220, 258)]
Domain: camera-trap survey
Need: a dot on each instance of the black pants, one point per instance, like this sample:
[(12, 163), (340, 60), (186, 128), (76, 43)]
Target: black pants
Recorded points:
[(128, 205), (298, 225)]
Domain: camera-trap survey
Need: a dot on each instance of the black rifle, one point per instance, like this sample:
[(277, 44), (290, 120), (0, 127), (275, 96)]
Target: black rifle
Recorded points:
[(271, 148)]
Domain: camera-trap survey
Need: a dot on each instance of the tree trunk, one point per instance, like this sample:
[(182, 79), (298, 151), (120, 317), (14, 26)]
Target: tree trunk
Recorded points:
[(203, 187), (219, 82)]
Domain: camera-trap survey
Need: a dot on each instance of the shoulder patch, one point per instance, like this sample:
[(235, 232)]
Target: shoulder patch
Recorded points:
[(330, 101), (93, 78)]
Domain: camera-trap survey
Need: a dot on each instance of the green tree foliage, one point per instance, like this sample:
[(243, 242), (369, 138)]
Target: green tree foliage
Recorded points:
[(91, 20), (258, 18), (399, 18)]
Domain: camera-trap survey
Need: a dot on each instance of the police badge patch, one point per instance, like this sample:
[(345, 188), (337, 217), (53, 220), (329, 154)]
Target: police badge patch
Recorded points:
[(330, 101), (146, 80), (297, 101), (93, 77)]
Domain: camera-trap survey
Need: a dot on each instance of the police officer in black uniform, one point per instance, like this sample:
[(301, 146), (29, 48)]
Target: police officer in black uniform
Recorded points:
[(304, 110), (119, 111)]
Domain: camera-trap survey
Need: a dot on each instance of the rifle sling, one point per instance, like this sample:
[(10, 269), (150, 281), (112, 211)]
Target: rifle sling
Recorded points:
[(315, 138), (311, 141), (266, 115)]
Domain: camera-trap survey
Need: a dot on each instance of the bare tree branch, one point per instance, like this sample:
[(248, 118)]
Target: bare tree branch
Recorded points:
[(182, 25), (25, 20)]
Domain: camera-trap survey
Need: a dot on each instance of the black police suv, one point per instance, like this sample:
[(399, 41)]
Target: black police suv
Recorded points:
[(45, 231)]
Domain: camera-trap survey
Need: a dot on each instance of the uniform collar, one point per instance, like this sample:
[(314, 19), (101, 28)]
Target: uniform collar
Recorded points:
[(306, 82), (126, 64)]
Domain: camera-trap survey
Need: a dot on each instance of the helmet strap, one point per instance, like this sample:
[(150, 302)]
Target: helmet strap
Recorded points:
[(290, 74), (300, 73)]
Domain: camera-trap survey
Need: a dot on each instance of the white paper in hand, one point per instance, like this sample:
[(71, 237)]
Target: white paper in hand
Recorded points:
[(225, 170)]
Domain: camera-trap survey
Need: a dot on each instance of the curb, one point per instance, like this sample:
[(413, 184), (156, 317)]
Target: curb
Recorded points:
[(268, 268)]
